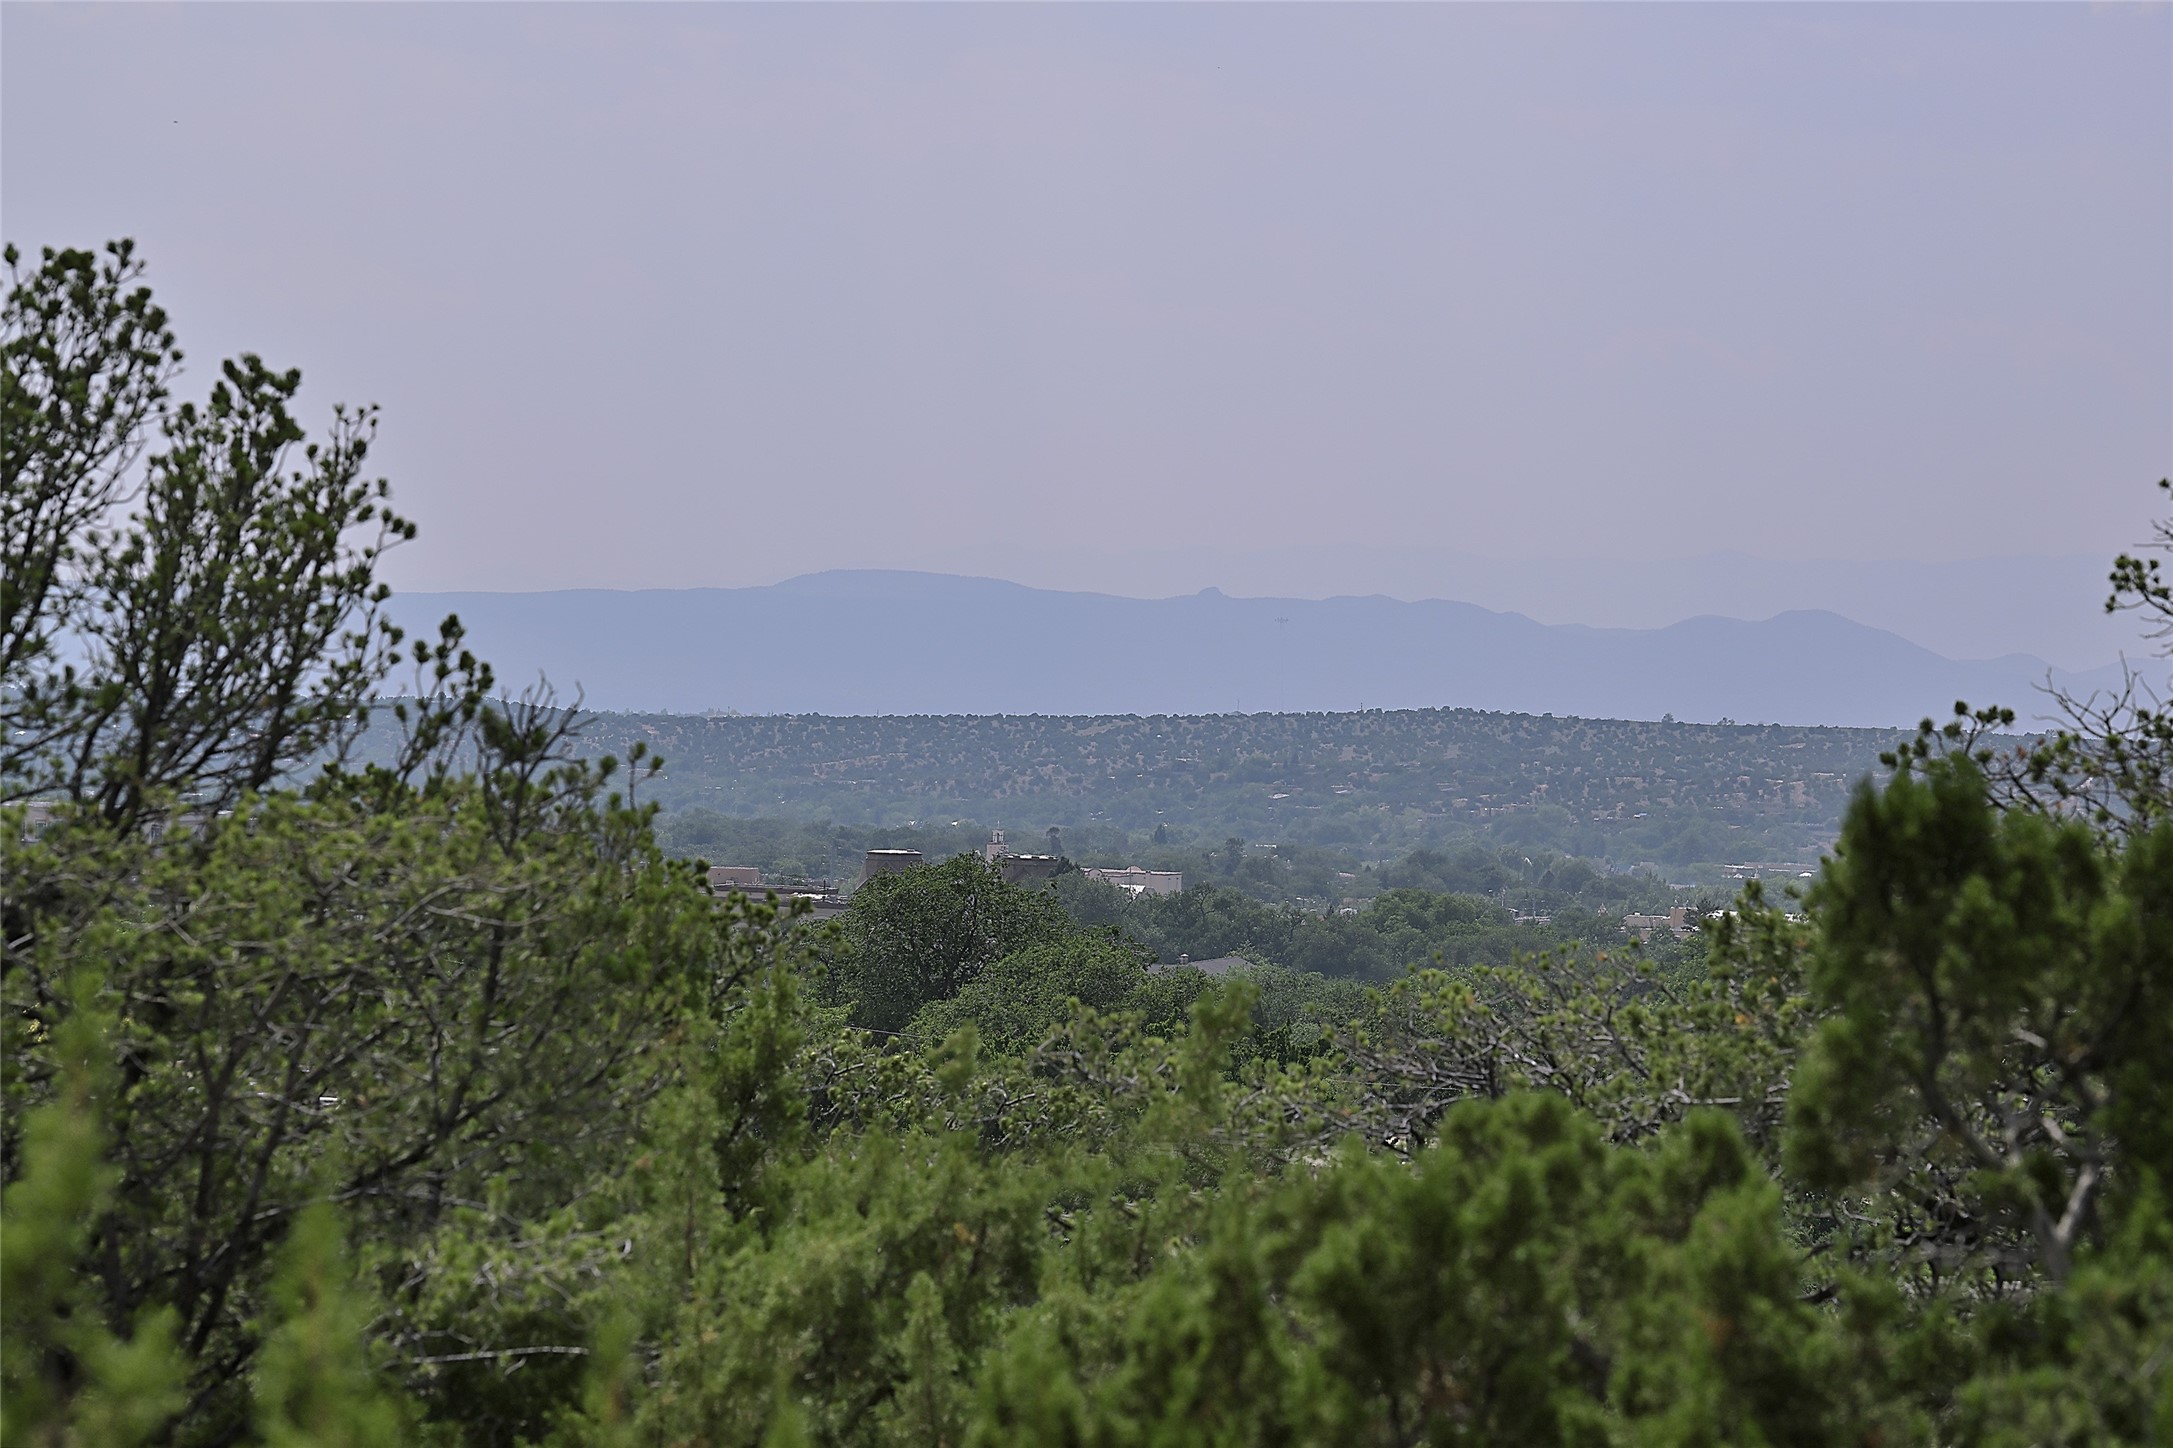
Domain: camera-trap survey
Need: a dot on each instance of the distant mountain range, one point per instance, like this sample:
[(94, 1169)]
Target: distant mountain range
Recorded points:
[(1969, 608), (877, 642)]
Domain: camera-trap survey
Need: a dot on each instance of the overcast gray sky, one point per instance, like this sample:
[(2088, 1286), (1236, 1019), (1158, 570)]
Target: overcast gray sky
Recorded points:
[(682, 294)]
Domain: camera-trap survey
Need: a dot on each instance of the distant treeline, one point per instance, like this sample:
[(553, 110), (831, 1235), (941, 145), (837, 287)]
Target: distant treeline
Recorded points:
[(1398, 931), (1306, 908), (1371, 786)]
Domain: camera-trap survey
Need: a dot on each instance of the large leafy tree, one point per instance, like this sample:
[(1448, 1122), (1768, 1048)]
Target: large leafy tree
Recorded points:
[(920, 935)]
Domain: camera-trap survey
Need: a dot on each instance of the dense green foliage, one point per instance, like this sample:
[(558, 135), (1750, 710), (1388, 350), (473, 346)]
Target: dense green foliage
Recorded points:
[(431, 1101), (1395, 931), (921, 935)]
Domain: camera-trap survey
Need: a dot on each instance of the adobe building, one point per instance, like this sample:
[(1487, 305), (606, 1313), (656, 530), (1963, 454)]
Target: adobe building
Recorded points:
[(1135, 881), (888, 862), (724, 878), (1020, 869), (1024, 869), (1681, 922)]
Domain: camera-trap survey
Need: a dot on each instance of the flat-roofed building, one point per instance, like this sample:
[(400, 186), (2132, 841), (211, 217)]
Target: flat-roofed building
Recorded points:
[(888, 862), (824, 902), (1219, 965), (1682, 922), (1019, 869), (733, 877), (1136, 881)]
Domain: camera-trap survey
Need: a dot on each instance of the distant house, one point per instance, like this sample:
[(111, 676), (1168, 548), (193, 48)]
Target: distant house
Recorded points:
[(37, 815), (1220, 965), (888, 862), (1137, 881), (723, 878), (1681, 922), (1020, 869)]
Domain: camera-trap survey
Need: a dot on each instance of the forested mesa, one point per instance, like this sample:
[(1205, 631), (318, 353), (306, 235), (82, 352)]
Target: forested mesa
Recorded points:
[(415, 1094), (1378, 783)]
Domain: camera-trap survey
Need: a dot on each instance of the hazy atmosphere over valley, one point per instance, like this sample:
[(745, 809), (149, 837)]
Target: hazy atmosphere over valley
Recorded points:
[(931, 725), (1607, 317)]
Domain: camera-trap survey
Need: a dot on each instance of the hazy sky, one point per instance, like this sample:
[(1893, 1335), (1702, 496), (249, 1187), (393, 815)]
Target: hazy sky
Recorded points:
[(680, 294)]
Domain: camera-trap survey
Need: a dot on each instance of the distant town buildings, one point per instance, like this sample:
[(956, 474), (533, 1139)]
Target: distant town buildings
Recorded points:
[(1136, 881), (1020, 869), (1797, 871), (823, 895), (1016, 869)]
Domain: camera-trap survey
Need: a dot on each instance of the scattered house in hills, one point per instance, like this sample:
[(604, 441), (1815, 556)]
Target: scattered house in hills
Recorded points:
[(1220, 965), (1681, 922)]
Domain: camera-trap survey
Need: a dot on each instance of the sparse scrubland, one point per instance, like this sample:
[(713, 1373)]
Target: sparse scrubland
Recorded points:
[(418, 1094)]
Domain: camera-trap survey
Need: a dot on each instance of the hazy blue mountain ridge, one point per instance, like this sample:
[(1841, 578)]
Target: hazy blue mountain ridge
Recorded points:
[(876, 642)]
